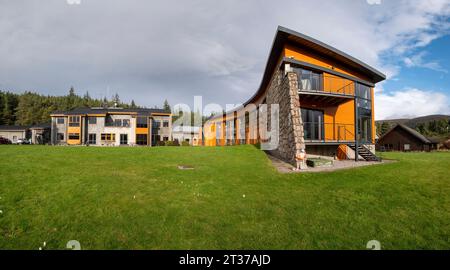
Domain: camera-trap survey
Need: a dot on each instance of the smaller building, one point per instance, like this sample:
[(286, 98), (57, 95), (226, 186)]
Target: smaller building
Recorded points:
[(404, 138), (189, 134), (13, 133), (111, 127), (37, 134)]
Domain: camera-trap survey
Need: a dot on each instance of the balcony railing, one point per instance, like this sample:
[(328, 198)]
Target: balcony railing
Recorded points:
[(319, 83), (328, 132)]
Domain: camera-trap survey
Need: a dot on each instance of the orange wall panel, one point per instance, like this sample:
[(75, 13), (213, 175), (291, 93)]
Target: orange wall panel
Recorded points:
[(311, 58), (141, 130), (73, 130)]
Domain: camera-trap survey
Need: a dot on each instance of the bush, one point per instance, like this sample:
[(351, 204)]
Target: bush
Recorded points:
[(172, 143), (185, 143), (160, 143)]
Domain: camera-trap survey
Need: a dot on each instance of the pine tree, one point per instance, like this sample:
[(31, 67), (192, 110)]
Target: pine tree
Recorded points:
[(133, 105), (87, 100), (384, 128), (166, 106)]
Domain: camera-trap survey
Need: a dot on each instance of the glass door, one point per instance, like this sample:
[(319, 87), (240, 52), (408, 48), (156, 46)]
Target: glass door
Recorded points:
[(365, 132), (313, 125)]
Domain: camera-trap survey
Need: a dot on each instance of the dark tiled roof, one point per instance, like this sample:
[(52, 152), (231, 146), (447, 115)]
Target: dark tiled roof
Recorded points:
[(413, 132), (81, 111), (13, 128), (22, 128)]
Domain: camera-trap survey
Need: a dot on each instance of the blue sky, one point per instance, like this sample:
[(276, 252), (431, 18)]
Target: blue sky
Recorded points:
[(433, 77), (167, 49)]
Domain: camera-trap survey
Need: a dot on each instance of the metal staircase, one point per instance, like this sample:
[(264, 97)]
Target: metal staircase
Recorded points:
[(364, 152)]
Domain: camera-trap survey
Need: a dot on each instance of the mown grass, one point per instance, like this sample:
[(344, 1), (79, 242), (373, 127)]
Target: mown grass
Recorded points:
[(137, 198)]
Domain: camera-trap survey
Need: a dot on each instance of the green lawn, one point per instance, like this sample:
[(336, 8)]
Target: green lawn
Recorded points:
[(137, 198)]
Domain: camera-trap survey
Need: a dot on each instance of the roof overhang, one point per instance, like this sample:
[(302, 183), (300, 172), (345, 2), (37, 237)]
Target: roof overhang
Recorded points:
[(287, 36)]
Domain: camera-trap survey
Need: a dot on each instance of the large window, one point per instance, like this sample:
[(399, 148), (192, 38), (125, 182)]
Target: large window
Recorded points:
[(92, 138), (117, 122), (313, 126), (364, 109), (123, 139), (363, 91), (141, 139), (364, 96), (110, 122), (142, 122), (166, 124), (60, 120), (108, 137), (155, 139), (74, 136), (74, 121), (156, 124), (309, 80), (92, 120)]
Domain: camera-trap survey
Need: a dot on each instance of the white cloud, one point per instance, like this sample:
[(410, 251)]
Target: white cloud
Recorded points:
[(152, 50), (419, 61), (374, 2), (410, 103)]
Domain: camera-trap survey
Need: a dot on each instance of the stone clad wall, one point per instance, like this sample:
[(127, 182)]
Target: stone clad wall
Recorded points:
[(283, 90)]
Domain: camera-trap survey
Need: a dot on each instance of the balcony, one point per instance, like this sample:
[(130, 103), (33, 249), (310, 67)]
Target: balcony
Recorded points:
[(328, 133), (327, 89)]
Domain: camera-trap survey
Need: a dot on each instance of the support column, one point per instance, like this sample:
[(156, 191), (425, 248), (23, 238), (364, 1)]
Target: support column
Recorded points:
[(356, 128)]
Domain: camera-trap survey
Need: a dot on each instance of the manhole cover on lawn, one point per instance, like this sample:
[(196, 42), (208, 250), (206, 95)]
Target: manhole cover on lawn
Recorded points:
[(185, 167)]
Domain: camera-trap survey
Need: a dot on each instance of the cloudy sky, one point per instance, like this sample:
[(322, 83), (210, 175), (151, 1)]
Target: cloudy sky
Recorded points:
[(152, 50)]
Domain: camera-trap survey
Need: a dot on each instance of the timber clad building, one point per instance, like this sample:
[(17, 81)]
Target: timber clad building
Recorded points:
[(111, 127), (325, 97), (404, 138)]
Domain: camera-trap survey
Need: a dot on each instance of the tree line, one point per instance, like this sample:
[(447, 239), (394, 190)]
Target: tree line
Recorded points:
[(31, 108), (432, 128)]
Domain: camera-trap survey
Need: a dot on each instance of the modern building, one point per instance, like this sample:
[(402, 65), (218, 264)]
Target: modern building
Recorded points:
[(189, 134), (325, 99), (36, 134), (111, 127), (404, 138)]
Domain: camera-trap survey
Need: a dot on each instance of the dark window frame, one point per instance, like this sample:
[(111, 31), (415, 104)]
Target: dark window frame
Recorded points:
[(314, 78), (156, 124), (74, 121), (92, 138), (108, 137), (140, 123), (123, 139), (90, 122), (74, 136), (313, 124), (140, 139)]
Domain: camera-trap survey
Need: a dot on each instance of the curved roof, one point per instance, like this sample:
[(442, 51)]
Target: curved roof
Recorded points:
[(285, 35)]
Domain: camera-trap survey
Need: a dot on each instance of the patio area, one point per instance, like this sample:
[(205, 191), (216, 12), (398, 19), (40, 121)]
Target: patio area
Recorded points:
[(284, 167)]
